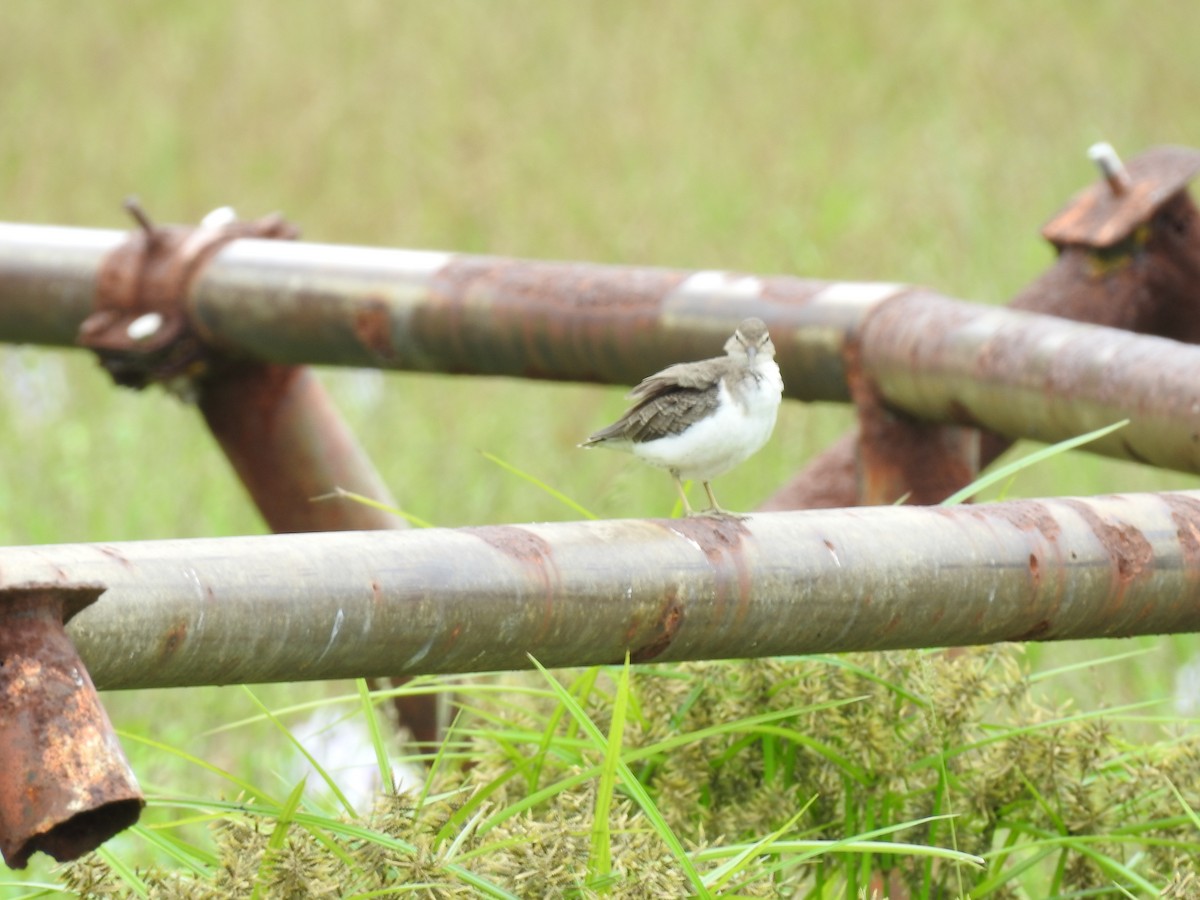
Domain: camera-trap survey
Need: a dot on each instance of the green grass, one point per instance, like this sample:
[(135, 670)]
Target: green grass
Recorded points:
[(920, 142), (816, 777)]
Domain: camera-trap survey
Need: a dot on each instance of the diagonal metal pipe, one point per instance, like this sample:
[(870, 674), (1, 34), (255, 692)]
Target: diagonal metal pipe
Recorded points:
[(343, 604)]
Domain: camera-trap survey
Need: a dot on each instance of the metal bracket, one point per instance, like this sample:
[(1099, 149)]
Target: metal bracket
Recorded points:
[(1110, 211), (140, 328)]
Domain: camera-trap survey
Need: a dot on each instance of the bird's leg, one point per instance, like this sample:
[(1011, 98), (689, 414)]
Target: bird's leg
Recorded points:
[(714, 506), (687, 507), (716, 509)]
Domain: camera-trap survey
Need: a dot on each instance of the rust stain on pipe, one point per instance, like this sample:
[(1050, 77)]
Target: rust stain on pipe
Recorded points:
[(373, 327), (173, 640), (1047, 563), (667, 624), (65, 785), (723, 540), (1039, 632), (1131, 553), (488, 310), (534, 555), (1185, 513), (1027, 515)]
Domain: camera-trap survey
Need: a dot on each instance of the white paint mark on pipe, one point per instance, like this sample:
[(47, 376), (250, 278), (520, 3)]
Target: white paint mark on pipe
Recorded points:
[(727, 284), (858, 293), (420, 654), (337, 627)]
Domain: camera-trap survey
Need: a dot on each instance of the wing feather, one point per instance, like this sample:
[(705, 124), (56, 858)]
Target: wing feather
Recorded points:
[(664, 410)]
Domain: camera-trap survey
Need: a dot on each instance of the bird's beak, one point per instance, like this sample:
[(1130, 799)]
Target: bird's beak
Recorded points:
[(751, 354)]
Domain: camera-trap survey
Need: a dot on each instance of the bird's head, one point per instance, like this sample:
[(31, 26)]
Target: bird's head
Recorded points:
[(750, 340)]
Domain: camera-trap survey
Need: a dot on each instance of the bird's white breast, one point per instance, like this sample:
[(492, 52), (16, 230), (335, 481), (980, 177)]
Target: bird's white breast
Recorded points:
[(739, 426)]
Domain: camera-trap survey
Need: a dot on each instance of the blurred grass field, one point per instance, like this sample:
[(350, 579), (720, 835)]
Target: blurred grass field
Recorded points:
[(919, 142)]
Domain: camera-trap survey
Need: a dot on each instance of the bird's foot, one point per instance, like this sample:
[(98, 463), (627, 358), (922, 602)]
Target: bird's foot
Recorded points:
[(719, 513)]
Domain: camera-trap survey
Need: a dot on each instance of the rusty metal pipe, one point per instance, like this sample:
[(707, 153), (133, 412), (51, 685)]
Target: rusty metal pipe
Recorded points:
[(337, 605), (292, 302), (1025, 375), (1128, 257), (611, 324), (288, 444), (65, 785), (440, 312)]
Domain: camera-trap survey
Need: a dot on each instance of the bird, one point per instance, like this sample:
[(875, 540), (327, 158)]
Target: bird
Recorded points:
[(699, 419)]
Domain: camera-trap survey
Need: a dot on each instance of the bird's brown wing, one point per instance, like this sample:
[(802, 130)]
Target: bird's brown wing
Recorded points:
[(667, 404), (696, 376), (660, 416)]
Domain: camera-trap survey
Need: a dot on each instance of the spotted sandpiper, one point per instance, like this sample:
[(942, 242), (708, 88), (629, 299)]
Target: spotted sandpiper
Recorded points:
[(698, 420)]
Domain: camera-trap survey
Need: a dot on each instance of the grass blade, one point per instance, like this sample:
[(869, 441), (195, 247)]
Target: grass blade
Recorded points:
[(278, 838), (377, 742), (125, 871), (312, 760), (600, 863), (1025, 462), (1035, 677), (1187, 807), (632, 785), (342, 494), (721, 875), (247, 787), (537, 482)]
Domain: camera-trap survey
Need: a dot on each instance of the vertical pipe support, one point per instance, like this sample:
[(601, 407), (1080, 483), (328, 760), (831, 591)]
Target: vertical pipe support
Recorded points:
[(1128, 257), (65, 784), (901, 458)]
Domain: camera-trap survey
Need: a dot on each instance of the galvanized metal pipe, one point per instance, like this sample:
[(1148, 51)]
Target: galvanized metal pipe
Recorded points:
[(928, 356), (314, 606), (328, 304), (491, 316), (48, 280)]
